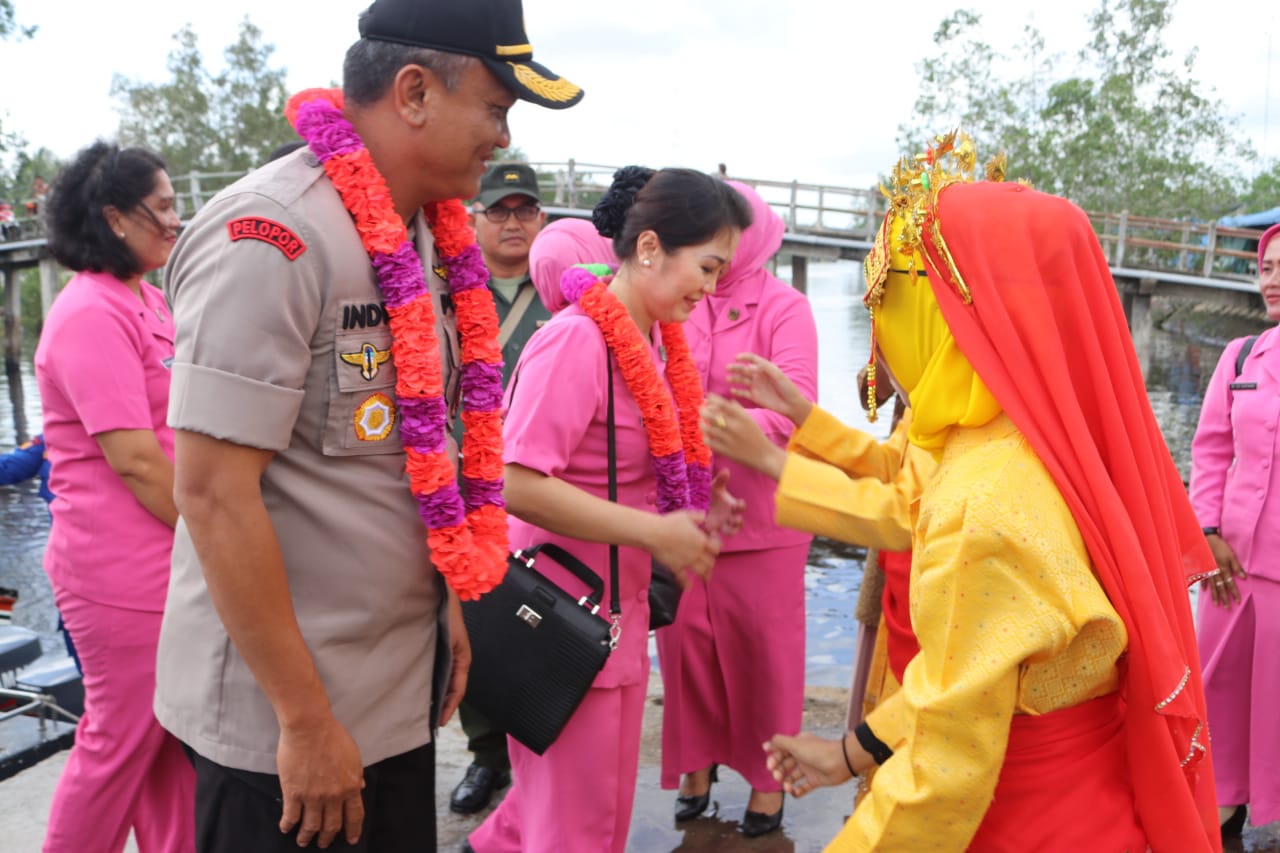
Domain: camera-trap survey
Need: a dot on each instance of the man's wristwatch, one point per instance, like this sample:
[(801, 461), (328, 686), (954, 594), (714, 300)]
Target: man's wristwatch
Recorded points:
[(1210, 531)]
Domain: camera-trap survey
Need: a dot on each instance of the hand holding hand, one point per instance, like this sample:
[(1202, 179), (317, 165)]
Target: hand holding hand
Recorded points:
[(724, 518), (731, 432), (321, 777), (761, 382), (684, 546)]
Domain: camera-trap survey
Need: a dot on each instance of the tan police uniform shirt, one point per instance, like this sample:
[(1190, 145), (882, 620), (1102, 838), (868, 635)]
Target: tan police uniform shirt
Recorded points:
[(283, 344)]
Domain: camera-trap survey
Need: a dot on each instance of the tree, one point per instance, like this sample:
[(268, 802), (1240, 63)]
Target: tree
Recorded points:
[(11, 29), (9, 26), (200, 121), (1131, 130)]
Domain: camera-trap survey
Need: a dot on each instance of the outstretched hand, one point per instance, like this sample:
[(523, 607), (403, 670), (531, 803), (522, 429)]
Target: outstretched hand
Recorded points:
[(724, 517), (761, 382), (805, 761), (731, 432)]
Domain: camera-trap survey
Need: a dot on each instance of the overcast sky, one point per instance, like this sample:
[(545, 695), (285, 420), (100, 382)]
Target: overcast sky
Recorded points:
[(787, 89)]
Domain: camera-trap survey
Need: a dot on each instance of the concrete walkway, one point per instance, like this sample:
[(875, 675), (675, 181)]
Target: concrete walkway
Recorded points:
[(808, 825)]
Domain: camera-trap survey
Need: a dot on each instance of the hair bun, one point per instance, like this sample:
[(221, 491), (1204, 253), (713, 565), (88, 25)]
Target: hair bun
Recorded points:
[(611, 211)]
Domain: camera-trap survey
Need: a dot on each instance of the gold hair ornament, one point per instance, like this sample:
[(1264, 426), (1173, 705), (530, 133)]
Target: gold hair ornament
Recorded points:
[(914, 187)]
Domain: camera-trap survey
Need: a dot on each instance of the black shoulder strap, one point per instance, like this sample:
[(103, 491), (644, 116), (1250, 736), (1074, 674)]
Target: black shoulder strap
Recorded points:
[(615, 600), (1244, 353)]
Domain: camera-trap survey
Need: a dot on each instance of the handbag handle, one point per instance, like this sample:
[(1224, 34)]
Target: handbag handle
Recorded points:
[(573, 565)]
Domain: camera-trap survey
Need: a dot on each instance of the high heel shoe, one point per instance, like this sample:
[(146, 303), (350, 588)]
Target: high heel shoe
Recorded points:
[(1233, 826), (689, 807), (759, 823)]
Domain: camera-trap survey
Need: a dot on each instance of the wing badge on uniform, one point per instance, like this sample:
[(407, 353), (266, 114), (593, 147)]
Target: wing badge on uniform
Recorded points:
[(368, 358)]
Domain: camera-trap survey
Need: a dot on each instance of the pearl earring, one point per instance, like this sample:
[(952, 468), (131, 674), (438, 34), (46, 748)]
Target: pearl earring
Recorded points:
[(120, 234), (646, 262)]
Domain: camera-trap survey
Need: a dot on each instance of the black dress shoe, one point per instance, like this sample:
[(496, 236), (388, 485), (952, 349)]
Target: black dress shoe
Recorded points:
[(1234, 825), (687, 808), (476, 789), (759, 823)]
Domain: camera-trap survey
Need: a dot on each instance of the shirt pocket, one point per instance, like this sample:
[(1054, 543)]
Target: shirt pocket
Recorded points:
[(363, 418)]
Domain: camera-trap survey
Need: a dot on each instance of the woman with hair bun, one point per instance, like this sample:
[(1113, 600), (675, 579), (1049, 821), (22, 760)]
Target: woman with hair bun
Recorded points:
[(674, 232), (103, 369)]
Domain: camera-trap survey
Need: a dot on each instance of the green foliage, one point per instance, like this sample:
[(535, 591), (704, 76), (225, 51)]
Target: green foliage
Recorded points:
[(9, 26), (16, 182), (1263, 192), (11, 29), (1131, 129), (201, 121)]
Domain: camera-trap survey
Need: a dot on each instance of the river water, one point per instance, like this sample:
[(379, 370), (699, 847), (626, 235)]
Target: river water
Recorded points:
[(1179, 370)]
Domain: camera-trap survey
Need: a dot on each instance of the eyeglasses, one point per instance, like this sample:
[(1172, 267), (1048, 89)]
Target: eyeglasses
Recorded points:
[(499, 214)]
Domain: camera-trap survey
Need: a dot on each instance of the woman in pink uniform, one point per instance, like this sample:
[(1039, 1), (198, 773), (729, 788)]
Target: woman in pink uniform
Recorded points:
[(103, 369), (674, 232), (1235, 489), (733, 662)]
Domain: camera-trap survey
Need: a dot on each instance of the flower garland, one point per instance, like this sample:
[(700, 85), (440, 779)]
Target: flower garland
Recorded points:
[(467, 536), (681, 458)]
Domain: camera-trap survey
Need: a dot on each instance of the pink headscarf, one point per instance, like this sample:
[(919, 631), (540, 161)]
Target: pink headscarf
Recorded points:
[(759, 242), (1264, 240), (559, 246)]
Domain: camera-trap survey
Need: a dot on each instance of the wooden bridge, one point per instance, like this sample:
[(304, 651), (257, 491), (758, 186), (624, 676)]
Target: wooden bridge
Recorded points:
[(1199, 261)]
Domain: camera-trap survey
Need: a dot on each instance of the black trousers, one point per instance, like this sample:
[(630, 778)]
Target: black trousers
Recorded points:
[(484, 739), (238, 811)]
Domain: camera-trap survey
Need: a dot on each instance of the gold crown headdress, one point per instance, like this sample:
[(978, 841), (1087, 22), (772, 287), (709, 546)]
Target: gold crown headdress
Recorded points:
[(913, 193)]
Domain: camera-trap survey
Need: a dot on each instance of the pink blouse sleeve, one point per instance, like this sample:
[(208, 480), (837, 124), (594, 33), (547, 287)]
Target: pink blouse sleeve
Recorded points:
[(99, 368), (557, 390)]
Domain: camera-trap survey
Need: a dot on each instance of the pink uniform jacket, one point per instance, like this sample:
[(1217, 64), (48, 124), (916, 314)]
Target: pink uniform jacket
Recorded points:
[(752, 311), (1235, 484)]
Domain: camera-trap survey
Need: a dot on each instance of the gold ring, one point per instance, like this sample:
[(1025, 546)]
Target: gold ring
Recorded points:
[(721, 422)]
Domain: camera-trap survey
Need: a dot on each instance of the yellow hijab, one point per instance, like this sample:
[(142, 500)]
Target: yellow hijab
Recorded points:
[(920, 352)]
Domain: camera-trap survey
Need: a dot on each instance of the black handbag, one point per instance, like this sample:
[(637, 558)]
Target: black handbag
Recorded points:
[(535, 649), (664, 587)]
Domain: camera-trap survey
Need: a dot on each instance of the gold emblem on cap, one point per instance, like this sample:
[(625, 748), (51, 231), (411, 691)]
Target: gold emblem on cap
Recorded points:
[(511, 177), (512, 49), (559, 90)]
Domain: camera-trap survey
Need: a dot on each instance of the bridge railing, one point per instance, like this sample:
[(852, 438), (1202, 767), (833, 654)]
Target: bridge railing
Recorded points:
[(1135, 242), (1196, 248)]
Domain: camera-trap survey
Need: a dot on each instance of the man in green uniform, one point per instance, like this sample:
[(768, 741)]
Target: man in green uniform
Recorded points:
[(507, 216)]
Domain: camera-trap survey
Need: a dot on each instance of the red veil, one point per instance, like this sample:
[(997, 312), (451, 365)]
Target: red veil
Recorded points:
[(1046, 333)]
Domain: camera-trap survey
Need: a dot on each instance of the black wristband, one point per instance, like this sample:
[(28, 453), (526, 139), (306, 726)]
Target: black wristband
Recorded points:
[(877, 748), (1210, 531)]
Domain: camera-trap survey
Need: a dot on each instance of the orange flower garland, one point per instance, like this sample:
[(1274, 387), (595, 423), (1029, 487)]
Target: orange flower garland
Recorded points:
[(467, 535), (681, 459)]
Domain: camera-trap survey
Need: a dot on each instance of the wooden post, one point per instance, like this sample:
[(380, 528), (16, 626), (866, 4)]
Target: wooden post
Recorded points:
[(196, 201), (13, 350), (1122, 228), (48, 285), (821, 204), (12, 318), (1182, 254), (1140, 326), (873, 220), (800, 273), (1212, 240), (791, 207), (573, 185)]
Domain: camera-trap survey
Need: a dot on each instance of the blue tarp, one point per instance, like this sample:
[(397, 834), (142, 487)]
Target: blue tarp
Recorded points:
[(1263, 219)]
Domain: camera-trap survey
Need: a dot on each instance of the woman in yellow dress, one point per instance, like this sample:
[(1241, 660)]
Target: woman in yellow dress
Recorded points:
[(1055, 704)]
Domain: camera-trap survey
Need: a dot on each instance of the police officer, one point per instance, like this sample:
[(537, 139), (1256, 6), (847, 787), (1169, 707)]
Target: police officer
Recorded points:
[(305, 623)]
